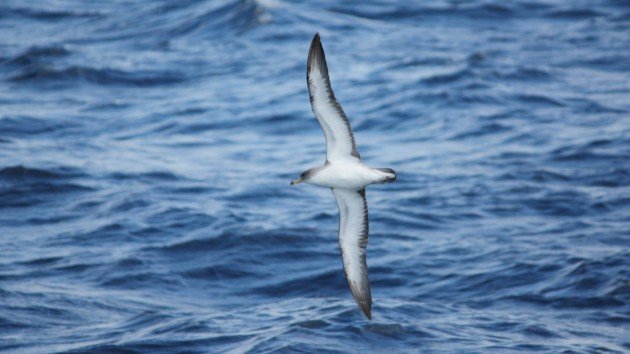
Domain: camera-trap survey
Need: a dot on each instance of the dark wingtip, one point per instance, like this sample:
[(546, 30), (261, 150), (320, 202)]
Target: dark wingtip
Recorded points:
[(363, 298), (316, 45), (316, 54), (367, 311), (316, 41)]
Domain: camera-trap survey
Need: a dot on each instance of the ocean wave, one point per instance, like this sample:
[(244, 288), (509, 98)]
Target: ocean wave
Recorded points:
[(18, 126), (574, 13), (22, 173), (403, 11), (44, 14), (31, 194), (36, 54), (38, 74)]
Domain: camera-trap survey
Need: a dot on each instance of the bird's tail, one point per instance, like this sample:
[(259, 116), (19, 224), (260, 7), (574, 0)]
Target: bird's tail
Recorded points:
[(390, 175)]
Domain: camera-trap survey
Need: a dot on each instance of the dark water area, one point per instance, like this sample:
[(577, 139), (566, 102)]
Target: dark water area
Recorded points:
[(146, 150)]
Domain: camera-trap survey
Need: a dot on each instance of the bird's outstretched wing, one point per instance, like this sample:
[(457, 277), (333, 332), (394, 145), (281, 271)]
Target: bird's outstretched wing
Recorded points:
[(339, 139), (353, 238)]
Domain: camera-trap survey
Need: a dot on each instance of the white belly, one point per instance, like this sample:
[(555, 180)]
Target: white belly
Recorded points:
[(348, 175)]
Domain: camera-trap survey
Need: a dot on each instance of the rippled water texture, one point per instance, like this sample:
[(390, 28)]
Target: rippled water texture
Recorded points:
[(146, 150)]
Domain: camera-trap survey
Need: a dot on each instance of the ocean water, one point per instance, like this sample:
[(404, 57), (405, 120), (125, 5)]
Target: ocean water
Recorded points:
[(146, 150)]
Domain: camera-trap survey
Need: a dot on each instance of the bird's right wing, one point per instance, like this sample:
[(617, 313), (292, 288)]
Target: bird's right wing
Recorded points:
[(339, 138), (353, 238)]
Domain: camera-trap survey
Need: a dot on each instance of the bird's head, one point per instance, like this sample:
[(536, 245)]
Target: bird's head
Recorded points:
[(304, 177)]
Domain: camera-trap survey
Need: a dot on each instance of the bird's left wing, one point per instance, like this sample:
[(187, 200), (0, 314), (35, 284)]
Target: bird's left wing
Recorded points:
[(353, 238), (339, 138)]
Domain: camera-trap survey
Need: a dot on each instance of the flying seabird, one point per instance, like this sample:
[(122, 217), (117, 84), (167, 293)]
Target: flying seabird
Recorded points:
[(344, 173)]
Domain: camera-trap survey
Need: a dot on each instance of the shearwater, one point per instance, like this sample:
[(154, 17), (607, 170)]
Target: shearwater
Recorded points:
[(344, 173)]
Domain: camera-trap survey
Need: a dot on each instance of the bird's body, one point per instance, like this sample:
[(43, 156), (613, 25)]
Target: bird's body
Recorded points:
[(345, 174), (348, 174)]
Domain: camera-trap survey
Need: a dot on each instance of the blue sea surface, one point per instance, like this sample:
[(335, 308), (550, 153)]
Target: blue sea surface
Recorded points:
[(146, 150)]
